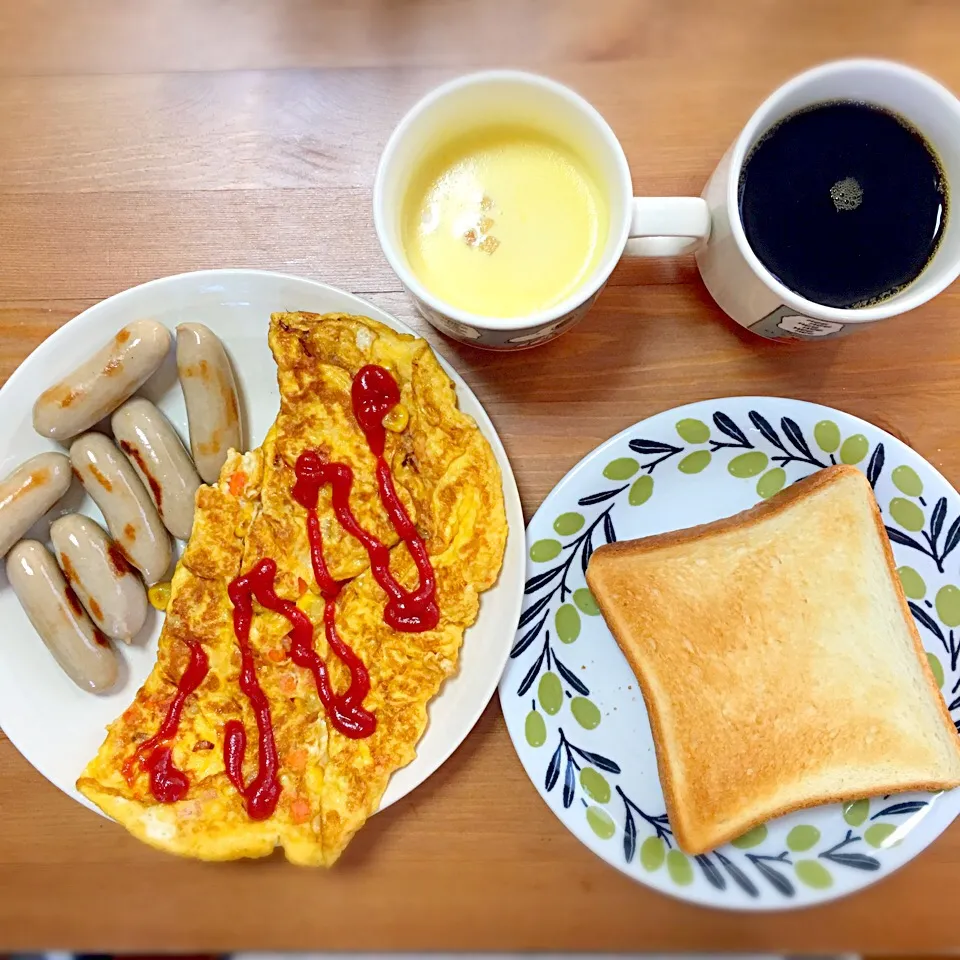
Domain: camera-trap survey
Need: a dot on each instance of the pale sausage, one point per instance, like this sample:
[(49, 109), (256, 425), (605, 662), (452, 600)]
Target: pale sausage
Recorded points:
[(59, 618), (210, 391), (29, 492), (102, 382), (155, 451), (130, 514), (100, 576)]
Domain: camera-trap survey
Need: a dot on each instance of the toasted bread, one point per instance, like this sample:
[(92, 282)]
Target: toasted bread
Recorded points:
[(779, 662)]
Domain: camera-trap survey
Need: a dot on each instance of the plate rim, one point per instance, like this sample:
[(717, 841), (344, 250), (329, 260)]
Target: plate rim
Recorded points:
[(925, 833), (512, 503)]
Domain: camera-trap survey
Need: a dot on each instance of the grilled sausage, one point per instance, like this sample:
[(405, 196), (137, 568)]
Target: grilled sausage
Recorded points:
[(100, 576), (210, 391), (29, 492), (102, 382), (152, 446), (58, 617), (130, 514)]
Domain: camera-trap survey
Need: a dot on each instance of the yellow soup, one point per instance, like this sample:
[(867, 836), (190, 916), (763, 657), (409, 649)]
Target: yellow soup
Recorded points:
[(503, 222)]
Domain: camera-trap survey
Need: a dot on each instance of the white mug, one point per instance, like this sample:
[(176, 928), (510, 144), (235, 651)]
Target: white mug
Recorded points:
[(663, 226), (732, 272), (671, 224)]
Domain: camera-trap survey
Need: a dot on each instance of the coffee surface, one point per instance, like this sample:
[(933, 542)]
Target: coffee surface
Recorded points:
[(844, 203)]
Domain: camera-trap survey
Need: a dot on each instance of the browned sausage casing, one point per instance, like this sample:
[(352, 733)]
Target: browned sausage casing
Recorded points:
[(102, 382), (210, 391)]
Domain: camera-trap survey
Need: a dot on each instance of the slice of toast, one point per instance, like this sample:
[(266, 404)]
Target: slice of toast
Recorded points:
[(779, 662)]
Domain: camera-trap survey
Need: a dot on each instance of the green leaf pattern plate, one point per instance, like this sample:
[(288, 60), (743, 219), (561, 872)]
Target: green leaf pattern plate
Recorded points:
[(572, 705)]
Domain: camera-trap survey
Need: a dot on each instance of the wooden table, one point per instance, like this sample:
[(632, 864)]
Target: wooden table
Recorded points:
[(142, 138)]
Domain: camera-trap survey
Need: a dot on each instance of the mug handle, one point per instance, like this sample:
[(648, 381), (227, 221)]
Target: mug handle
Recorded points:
[(667, 226)]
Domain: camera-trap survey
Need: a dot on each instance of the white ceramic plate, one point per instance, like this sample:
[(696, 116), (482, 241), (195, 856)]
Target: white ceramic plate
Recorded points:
[(572, 705), (58, 727)]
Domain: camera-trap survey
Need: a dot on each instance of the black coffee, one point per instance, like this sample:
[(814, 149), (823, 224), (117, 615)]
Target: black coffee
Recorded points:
[(844, 203)]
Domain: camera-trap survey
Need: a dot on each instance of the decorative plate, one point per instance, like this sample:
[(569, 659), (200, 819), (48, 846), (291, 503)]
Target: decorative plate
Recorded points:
[(59, 727), (572, 705)]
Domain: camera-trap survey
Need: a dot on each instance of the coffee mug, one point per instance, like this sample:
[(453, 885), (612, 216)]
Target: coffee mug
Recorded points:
[(733, 273), (658, 225)]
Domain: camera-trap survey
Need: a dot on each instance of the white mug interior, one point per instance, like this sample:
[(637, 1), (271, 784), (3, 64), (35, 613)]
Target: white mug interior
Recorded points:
[(924, 103), (502, 97)]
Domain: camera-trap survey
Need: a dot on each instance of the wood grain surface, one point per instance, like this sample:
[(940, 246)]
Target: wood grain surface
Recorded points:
[(143, 138)]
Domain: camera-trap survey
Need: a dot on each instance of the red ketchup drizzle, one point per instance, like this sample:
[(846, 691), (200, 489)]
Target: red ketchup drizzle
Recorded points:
[(263, 791), (375, 393), (167, 783), (346, 712)]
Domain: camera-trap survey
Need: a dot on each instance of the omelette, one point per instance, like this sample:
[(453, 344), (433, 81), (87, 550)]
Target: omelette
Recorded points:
[(318, 607)]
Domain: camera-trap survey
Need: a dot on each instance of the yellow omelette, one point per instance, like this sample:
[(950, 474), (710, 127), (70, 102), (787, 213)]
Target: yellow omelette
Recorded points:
[(448, 481)]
